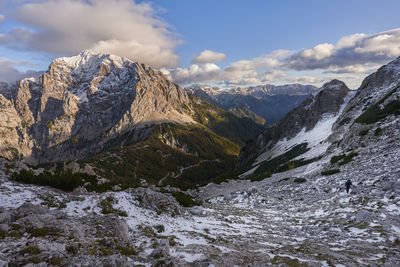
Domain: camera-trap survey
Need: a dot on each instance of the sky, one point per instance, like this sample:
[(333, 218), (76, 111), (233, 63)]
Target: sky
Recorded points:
[(219, 43)]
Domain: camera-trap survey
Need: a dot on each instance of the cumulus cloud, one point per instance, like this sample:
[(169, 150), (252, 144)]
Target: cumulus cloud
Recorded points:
[(121, 27), (207, 72), (308, 80), (353, 50), (10, 74), (273, 76), (243, 72), (319, 52), (208, 56)]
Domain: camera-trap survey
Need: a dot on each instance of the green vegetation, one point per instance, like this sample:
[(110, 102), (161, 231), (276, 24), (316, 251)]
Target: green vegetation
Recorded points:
[(31, 250), (49, 124), (107, 207), (300, 180), (375, 113), (330, 172), (44, 231), (184, 200), (127, 251), (71, 249), (75, 140), (363, 132), (246, 113), (160, 228), (344, 121), (66, 181), (197, 156), (335, 159), (343, 158), (224, 123), (281, 163), (378, 131), (295, 164)]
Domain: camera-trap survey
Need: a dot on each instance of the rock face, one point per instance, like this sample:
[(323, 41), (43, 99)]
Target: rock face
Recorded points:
[(268, 102), (84, 101), (327, 100)]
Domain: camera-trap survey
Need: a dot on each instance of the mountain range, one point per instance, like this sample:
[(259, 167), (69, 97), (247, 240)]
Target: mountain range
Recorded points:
[(265, 104), (105, 162)]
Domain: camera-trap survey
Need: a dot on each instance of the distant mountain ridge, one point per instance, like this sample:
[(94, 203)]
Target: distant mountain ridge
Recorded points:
[(268, 102)]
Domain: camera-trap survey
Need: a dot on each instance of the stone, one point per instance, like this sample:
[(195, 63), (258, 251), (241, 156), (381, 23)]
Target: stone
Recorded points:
[(197, 211)]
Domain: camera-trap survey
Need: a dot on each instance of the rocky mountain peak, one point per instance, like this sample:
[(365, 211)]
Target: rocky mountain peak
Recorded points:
[(91, 98)]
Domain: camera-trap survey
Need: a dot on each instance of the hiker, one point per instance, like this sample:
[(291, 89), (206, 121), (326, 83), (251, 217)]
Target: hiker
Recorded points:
[(348, 184)]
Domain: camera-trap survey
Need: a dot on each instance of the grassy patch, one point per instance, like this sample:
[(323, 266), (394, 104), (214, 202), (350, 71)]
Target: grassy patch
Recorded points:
[(184, 200), (375, 113), (330, 172)]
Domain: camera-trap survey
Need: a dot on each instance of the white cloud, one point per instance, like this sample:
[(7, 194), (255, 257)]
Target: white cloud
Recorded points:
[(309, 80), (2, 18), (273, 76), (208, 56), (350, 40), (208, 72), (352, 50), (386, 44), (122, 27), (320, 51)]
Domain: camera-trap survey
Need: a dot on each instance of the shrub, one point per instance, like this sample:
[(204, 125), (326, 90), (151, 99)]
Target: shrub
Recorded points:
[(184, 200), (299, 180), (348, 158), (375, 113), (71, 249), (160, 228), (343, 159), (378, 131), (335, 159), (127, 251), (330, 172), (31, 250), (44, 231), (363, 132), (66, 181)]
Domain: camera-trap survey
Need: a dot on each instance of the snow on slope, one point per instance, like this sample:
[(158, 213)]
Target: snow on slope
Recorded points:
[(315, 138)]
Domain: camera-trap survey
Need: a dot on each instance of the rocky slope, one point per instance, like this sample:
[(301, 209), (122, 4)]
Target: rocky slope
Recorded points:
[(266, 102), (294, 218), (307, 124), (299, 216)]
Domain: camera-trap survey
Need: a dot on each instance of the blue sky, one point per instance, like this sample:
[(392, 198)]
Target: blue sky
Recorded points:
[(225, 43), (247, 29)]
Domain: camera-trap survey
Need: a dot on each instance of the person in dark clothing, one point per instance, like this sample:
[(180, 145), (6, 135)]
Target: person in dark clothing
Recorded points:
[(348, 184)]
